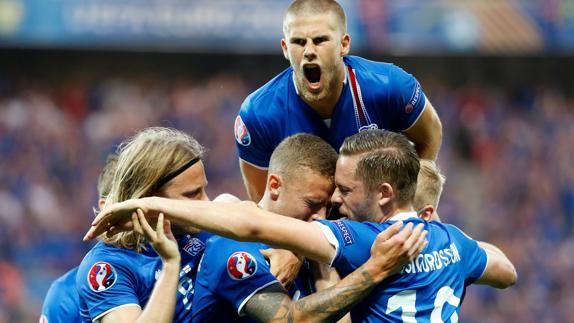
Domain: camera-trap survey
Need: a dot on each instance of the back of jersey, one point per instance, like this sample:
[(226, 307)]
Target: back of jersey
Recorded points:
[(428, 289)]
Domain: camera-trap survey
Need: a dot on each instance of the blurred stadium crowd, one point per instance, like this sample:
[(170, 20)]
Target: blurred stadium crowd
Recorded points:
[(507, 154)]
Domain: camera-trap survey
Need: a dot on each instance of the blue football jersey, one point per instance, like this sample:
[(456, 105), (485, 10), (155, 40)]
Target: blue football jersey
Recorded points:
[(230, 273), (429, 289), (62, 304), (375, 95), (110, 277)]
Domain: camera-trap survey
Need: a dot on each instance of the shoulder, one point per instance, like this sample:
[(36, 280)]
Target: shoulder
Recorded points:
[(264, 102), (369, 66), (101, 266)]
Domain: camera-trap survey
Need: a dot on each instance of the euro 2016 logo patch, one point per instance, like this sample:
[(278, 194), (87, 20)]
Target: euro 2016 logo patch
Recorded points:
[(241, 265), (241, 133), (101, 276)]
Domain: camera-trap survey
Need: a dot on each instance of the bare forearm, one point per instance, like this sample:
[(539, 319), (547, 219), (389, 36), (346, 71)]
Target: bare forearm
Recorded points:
[(161, 305), (248, 223), (333, 303)]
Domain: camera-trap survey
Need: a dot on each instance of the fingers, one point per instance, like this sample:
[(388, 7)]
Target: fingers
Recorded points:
[(419, 246), (137, 224), (267, 253), (415, 235), (160, 227), (390, 231), (148, 231)]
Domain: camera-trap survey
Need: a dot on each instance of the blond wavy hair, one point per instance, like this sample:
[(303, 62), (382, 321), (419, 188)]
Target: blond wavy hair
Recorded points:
[(145, 161)]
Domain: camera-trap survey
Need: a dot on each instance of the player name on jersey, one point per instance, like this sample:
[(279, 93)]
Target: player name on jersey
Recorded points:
[(426, 262)]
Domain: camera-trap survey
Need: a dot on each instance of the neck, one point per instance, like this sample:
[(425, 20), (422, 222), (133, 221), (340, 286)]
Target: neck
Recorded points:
[(324, 107), (265, 202), (392, 212)]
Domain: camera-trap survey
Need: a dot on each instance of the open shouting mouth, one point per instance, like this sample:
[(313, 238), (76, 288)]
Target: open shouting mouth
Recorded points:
[(313, 77)]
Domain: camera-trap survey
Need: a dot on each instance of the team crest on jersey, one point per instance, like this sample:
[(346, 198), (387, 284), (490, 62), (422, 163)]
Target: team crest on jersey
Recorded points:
[(372, 126), (101, 276), (241, 133), (241, 265)]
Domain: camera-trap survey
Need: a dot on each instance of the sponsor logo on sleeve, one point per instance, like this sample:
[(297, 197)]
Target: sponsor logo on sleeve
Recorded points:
[(241, 265), (101, 276), (415, 98), (345, 232), (241, 133)]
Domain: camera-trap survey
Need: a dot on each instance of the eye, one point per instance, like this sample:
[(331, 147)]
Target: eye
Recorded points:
[(319, 40), (298, 41), (193, 194)]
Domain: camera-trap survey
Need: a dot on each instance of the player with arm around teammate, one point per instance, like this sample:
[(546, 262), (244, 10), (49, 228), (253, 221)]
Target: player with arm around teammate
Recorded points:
[(329, 93), (376, 181)]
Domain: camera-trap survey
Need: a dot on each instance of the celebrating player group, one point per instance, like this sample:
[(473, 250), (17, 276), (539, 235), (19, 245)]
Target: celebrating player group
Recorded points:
[(333, 132)]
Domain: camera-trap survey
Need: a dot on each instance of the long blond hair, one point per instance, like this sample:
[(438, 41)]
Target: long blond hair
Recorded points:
[(145, 163)]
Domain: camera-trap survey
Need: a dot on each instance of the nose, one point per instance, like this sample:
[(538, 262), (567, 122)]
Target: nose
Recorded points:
[(310, 53), (336, 199)]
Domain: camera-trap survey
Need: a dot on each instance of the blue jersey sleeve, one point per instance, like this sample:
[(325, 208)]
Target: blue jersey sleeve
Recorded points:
[(251, 140), (406, 99), (352, 240), (473, 256), (106, 284), (62, 301), (236, 270)]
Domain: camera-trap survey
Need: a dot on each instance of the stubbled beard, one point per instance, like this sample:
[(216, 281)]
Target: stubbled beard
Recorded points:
[(314, 97)]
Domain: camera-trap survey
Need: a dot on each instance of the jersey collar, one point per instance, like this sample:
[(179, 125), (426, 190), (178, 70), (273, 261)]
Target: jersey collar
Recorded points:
[(403, 216)]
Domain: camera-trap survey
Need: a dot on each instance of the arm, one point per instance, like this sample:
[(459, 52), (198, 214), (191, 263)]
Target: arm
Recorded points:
[(241, 222), (254, 179), (389, 252), (426, 133), (161, 304), (499, 272)]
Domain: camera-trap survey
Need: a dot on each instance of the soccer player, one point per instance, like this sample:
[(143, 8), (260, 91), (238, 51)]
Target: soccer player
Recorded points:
[(376, 180), (430, 182), (328, 93), (121, 279), (62, 302), (234, 279)]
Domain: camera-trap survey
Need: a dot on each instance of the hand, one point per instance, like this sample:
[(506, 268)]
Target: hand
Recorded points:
[(162, 239), (393, 249), (284, 264), (227, 198), (116, 217)]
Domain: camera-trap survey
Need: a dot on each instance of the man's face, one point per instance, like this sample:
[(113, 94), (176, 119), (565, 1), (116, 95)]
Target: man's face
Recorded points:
[(315, 46), (304, 197), (354, 200), (190, 184)]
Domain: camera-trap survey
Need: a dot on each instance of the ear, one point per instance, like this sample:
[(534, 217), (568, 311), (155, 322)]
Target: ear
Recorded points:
[(274, 184), (427, 213), (386, 193), (101, 202), (345, 44), (284, 48)]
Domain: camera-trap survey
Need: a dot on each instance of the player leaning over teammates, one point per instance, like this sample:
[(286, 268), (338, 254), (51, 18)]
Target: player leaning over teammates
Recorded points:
[(234, 278), (376, 180), (62, 304), (328, 93)]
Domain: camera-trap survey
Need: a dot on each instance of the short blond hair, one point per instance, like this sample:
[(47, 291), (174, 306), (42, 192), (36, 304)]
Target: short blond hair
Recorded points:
[(152, 156), (430, 182), (302, 152), (317, 7)]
